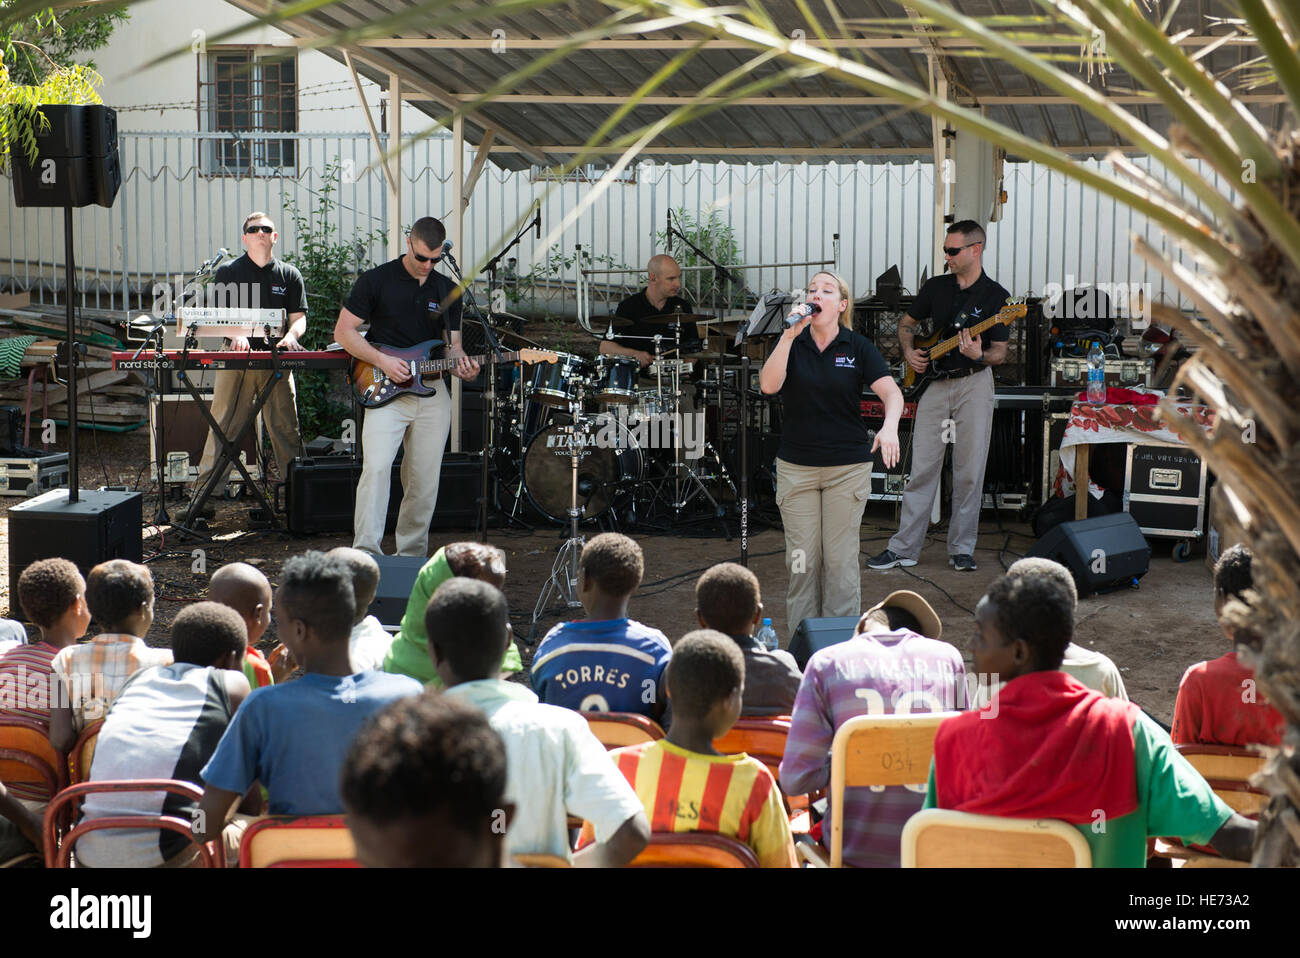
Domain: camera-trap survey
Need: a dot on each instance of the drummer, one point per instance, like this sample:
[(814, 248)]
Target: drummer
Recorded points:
[(657, 299)]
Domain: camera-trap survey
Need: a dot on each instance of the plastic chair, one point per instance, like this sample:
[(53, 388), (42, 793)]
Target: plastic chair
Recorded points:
[(307, 841), (32, 737), (10, 758), (942, 838), (694, 850), (83, 753), (875, 750), (619, 729), (58, 854)]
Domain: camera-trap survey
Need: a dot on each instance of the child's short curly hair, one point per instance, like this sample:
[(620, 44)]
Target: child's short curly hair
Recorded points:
[(116, 589), (47, 589), (614, 563)]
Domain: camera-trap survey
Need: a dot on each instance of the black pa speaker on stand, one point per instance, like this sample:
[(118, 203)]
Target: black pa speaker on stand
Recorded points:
[(76, 165)]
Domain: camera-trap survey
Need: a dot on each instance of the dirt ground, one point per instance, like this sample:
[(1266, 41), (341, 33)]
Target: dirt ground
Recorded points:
[(1153, 633)]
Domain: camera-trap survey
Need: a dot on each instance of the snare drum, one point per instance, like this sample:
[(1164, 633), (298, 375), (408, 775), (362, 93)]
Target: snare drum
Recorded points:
[(616, 379), (556, 384)]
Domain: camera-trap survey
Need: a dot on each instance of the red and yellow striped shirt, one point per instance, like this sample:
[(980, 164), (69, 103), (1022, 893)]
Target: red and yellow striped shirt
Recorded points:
[(732, 795)]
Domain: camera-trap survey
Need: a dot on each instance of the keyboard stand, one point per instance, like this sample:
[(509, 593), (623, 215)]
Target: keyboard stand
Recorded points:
[(228, 454)]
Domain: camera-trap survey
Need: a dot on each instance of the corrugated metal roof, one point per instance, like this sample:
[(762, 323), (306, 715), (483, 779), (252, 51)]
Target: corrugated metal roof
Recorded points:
[(761, 133)]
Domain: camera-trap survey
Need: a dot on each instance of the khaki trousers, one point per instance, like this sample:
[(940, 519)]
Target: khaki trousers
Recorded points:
[(232, 397), (959, 411), (420, 425), (821, 509)]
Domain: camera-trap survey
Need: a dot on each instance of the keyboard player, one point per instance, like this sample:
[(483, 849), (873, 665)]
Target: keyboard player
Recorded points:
[(257, 280)]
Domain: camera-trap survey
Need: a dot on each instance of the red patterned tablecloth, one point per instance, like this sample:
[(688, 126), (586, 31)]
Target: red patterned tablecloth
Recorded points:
[(1112, 423)]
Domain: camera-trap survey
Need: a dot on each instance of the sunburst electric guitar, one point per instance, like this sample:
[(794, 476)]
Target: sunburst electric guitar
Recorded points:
[(373, 387), (915, 383)]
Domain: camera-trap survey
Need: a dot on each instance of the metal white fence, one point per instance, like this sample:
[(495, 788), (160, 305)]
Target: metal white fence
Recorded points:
[(171, 215)]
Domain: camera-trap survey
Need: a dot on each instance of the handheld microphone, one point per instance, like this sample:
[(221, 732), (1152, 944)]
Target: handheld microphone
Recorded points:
[(802, 311)]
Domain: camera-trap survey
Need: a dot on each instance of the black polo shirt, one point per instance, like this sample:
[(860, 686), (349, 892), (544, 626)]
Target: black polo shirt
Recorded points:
[(243, 284), (400, 309), (954, 308), (822, 422), (638, 308)]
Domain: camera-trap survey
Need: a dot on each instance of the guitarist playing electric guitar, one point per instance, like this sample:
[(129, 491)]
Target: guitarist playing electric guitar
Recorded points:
[(406, 303), (957, 409)]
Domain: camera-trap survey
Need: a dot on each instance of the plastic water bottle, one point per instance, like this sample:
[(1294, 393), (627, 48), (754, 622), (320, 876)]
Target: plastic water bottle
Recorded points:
[(767, 636), (1096, 375)]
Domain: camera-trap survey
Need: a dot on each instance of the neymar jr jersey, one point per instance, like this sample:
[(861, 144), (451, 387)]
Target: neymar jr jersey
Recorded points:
[(732, 795)]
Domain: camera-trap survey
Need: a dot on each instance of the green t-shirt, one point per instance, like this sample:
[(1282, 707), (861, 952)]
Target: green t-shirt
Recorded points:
[(409, 653), (1173, 800)]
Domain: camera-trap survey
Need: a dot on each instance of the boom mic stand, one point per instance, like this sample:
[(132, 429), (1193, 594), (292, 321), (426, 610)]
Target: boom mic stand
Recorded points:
[(489, 393)]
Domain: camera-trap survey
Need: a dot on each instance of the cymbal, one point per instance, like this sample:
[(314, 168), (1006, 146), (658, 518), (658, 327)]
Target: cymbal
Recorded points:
[(728, 325), (508, 338), (608, 322), (727, 358)]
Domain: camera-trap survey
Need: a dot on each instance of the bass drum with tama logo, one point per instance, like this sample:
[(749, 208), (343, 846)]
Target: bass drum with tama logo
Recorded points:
[(610, 465)]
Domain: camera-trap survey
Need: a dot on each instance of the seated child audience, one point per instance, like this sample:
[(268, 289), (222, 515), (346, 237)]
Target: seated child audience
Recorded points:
[(894, 664), (1049, 747), (555, 766), (683, 782), (165, 723), (409, 653), (11, 633), (606, 662), (424, 785), (368, 643), (1217, 702), (120, 596), (293, 737), (246, 590), (1094, 669), (51, 593), (727, 600)]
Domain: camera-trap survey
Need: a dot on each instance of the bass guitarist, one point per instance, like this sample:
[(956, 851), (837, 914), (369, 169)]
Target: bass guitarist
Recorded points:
[(957, 408), (406, 303)]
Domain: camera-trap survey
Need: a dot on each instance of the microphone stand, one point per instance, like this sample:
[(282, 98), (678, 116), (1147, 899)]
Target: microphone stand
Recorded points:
[(489, 394)]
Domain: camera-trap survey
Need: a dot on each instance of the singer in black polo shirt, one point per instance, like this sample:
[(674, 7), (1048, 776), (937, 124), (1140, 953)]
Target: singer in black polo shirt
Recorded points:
[(256, 280), (406, 303), (823, 464)]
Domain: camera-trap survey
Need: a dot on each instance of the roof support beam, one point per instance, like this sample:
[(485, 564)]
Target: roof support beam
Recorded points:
[(560, 99), (848, 152), (842, 43)]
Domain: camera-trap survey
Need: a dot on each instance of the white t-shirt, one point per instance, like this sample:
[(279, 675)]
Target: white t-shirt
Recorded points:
[(555, 767), (368, 645)]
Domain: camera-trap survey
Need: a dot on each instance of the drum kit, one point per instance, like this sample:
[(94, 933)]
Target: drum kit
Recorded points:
[(601, 439)]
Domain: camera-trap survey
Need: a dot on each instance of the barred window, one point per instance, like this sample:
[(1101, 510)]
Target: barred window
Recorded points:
[(249, 91)]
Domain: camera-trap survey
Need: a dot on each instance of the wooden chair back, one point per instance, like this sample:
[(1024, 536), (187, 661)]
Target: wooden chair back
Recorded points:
[(306, 841), (878, 750), (942, 838)]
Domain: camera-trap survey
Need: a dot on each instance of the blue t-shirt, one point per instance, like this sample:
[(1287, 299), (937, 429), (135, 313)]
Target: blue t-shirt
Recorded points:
[(294, 737), (612, 665)]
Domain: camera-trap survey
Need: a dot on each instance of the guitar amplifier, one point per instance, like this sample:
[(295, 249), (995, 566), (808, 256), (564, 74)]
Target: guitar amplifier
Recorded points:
[(320, 494), (1073, 371)]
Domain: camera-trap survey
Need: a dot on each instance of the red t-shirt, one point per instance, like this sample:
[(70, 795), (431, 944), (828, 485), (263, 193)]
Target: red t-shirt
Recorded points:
[(1218, 704)]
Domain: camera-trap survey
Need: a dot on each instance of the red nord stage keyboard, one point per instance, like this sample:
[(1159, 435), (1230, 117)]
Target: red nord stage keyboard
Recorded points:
[(260, 359)]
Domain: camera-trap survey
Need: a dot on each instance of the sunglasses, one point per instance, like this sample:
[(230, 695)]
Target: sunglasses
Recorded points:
[(259, 229), (425, 259), (954, 250)]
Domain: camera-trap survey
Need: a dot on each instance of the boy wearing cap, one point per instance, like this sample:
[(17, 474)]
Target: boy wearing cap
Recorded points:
[(894, 664)]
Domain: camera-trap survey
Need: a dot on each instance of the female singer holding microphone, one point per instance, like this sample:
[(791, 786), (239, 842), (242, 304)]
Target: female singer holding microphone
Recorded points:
[(823, 464)]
